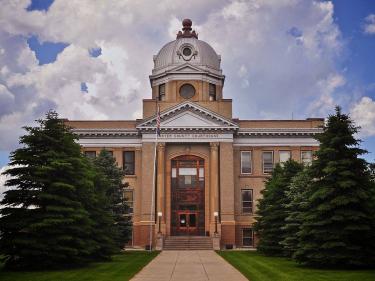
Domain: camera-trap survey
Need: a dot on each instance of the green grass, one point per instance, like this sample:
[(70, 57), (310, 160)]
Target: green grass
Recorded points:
[(257, 267), (121, 268)]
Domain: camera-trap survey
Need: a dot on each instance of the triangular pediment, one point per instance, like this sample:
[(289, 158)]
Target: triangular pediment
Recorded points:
[(189, 116), (188, 68)]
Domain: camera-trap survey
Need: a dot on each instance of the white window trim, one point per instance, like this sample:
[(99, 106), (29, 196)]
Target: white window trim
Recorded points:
[(252, 201), (133, 191), (273, 161), (251, 162)]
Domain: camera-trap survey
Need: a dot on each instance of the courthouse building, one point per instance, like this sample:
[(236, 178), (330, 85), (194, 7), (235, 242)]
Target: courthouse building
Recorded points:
[(210, 166)]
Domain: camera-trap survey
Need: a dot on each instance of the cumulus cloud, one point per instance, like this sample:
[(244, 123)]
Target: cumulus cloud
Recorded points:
[(363, 113), (276, 50), (369, 24), (3, 179)]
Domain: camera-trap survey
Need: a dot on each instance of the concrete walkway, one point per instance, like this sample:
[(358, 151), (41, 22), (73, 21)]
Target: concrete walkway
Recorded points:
[(188, 265)]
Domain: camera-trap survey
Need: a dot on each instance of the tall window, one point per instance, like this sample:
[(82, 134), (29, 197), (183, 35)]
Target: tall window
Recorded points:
[(284, 156), (212, 92), (162, 92), (129, 199), (245, 162), (90, 154), (267, 157), (247, 201), (129, 162), (247, 237), (306, 157)]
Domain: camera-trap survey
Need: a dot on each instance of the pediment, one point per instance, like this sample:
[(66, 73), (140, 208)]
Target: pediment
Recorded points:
[(189, 116), (187, 68)]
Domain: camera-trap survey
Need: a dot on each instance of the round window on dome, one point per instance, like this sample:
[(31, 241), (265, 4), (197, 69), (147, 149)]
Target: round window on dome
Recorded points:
[(187, 91), (186, 51)]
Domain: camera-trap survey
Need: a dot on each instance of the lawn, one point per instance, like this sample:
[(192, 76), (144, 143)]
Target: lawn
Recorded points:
[(257, 267), (121, 268)]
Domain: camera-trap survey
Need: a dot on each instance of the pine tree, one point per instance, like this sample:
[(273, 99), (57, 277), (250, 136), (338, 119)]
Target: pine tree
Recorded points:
[(272, 212), (297, 202), (44, 222), (109, 180), (338, 222)]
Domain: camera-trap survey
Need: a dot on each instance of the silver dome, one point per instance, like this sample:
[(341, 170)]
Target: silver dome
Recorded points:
[(171, 54)]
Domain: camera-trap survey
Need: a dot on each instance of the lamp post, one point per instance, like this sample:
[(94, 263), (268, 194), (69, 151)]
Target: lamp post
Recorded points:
[(160, 214), (216, 214)]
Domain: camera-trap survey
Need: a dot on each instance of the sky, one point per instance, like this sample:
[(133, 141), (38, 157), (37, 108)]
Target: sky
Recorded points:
[(90, 59)]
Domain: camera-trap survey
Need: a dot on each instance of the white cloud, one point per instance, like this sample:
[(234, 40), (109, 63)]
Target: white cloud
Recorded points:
[(369, 24), (262, 59), (3, 179), (363, 113)]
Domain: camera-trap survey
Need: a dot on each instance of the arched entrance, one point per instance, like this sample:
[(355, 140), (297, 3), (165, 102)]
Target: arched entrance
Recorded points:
[(187, 202)]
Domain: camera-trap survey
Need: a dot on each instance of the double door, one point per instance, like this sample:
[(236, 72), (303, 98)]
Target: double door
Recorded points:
[(187, 222)]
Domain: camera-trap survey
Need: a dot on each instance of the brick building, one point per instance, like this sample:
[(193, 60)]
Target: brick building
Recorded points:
[(210, 167)]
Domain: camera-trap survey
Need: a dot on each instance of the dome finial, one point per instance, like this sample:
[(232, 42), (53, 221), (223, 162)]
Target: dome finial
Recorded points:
[(187, 23)]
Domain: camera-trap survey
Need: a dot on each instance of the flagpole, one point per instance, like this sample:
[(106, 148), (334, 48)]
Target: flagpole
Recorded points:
[(152, 220)]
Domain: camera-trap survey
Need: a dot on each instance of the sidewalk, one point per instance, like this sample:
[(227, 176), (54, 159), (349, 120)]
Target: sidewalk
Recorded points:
[(189, 265)]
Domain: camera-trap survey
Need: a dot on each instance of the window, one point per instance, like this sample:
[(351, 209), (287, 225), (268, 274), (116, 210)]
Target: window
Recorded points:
[(306, 157), (129, 199), (284, 156), (129, 162), (247, 237), (245, 162), (90, 154), (187, 91), (267, 162), (247, 201), (212, 92), (162, 92)]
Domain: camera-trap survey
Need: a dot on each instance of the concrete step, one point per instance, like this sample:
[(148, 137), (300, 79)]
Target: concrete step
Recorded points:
[(188, 243)]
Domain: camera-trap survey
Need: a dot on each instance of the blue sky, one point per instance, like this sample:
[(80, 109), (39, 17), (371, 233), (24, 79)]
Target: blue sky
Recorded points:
[(86, 64)]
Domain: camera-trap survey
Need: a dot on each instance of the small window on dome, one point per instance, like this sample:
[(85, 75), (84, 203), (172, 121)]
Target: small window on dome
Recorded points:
[(186, 51), (161, 92), (187, 91), (212, 92)]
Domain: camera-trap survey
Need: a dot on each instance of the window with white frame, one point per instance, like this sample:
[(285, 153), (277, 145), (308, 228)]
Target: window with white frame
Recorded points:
[(267, 157), (306, 157), (247, 201), (129, 200), (246, 162), (284, 156), (247, 237)]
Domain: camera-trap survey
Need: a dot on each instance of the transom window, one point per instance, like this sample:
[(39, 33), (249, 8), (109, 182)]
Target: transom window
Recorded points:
[(247, 237), (129, 162), (284, 156), (246, 162), (267, 157), (306, 157), (188, 173), (247, 201)]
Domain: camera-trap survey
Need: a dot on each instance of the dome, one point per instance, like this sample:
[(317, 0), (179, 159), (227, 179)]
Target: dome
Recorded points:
[(187, 48)]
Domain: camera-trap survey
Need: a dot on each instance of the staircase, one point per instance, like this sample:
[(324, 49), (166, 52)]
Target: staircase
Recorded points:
[(187, 243)]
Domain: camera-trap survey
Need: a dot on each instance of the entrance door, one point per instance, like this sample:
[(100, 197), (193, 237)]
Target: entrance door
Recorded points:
[(187, 222), (187, 202)]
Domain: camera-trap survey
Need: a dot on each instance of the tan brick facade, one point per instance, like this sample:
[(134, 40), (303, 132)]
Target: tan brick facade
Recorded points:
[(202, 127)]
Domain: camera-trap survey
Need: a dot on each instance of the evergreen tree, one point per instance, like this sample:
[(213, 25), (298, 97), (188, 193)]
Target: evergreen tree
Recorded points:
[(338, 222), (109, 180), (272, 212), (44, 222), (297, 202)]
